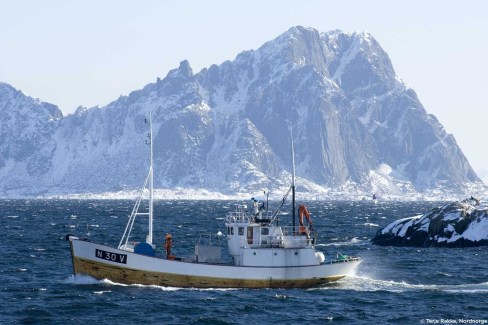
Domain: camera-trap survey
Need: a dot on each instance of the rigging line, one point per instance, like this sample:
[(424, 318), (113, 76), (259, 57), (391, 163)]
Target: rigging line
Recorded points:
[(132, 215), (275, 213)]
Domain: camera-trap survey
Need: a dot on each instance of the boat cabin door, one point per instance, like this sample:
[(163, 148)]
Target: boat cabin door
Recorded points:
[(250, 232)]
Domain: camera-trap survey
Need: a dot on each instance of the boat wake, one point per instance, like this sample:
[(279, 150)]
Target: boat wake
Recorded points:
[(355, 283), (363, 283), (88, 280), (163, 288), (108, 282)]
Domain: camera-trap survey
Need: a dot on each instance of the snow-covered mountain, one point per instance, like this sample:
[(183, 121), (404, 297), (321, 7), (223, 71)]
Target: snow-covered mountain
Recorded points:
[(356, 127), (27, 126)]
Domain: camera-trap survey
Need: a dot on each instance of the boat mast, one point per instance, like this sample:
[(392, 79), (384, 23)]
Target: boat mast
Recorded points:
[(293, 182), (151, 184), (135, 211)]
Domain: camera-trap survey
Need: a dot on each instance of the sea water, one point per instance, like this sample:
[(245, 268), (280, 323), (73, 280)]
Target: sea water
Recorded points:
[(392, 285)]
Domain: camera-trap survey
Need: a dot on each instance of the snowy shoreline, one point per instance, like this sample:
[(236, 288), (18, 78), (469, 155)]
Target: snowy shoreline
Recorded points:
[(204, 194)]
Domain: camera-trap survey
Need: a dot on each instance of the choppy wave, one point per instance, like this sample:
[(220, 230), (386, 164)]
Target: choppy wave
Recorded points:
[(370, 224)]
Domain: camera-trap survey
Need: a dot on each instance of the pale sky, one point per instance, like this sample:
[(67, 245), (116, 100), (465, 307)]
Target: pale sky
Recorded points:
[(85, 52)]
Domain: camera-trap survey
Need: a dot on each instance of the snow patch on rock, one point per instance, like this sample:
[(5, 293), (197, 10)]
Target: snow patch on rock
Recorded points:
[(458, 224)]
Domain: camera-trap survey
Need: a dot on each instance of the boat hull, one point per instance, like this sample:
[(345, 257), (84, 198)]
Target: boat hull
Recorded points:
[(104, 262)]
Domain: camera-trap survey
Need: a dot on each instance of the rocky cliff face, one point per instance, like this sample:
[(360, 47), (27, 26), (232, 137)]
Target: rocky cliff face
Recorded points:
[(459, 224), (227, 128), (27, 127)]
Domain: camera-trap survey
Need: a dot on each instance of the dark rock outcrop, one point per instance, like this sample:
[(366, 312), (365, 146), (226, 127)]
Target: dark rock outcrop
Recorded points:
[(459, 224)]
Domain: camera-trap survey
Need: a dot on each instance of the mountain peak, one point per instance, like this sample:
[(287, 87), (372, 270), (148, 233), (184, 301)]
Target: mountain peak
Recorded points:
[(6, 89), (325, 52), (5, 85), (80, 110), (183, 71), (26, 104), (298, 35), (300, 30)]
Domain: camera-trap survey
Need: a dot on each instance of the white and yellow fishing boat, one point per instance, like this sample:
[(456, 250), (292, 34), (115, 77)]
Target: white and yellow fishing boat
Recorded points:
[(264, 254)]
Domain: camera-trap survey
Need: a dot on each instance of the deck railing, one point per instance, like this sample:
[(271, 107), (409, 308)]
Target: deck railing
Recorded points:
[(237, 217)]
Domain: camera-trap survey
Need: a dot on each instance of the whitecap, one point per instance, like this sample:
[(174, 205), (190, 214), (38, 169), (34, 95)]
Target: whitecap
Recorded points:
[(211, 289), (353, 241), (444, 274), (101, 292)]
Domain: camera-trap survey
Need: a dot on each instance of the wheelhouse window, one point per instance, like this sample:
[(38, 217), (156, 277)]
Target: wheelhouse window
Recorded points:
[(264, 231), (241, 231)]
